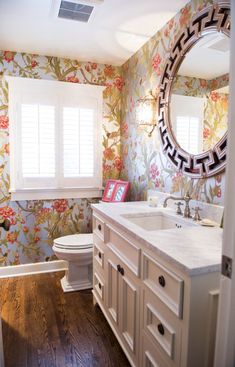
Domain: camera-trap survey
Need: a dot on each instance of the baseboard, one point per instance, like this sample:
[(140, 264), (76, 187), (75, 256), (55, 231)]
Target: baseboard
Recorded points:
[(29, 269)]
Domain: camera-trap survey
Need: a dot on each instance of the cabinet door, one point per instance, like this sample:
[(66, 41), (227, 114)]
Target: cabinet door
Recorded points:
[(112, 288), (123, 303), (129, 310)]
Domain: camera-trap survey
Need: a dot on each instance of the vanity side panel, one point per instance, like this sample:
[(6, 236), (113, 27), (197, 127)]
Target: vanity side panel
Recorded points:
[(200, 322)]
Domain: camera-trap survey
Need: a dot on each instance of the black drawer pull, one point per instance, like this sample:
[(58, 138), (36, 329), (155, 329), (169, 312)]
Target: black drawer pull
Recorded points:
[(161, 280), (120, 269), (161, 329), (100, 286), (99, 255), (99, 227)]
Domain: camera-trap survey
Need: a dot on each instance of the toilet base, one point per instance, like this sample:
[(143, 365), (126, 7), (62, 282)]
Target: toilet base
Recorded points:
[(75, 285), (78, 276)]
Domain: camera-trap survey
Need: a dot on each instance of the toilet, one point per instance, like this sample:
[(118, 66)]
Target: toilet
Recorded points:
[(77, 250)]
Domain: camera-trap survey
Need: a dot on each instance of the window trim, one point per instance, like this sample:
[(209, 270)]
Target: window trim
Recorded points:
[(51, 194), (47, 193)]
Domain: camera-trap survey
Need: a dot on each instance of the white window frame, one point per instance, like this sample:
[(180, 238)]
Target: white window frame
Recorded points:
[(86, 95), (189, 107)]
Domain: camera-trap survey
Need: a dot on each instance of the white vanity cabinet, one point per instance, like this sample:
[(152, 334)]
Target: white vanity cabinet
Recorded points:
[(161, 316), (116, 288)]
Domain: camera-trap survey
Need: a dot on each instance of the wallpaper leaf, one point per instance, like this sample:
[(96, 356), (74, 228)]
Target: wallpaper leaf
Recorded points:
[(143, 159), (34, 224)]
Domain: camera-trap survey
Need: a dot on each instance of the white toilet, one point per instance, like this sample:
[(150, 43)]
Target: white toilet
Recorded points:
[(77, 250)]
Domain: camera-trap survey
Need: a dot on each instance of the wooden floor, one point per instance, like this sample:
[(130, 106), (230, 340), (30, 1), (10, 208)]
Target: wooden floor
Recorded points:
[(44, 327)]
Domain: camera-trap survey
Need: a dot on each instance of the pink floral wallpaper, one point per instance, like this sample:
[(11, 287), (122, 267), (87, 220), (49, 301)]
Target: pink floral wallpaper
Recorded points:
[(196, 87), (126, 149), (144, 163), (216, 106), (36, 223), (215, 118)]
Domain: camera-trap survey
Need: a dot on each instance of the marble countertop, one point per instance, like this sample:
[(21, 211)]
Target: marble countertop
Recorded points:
[(193, 250)]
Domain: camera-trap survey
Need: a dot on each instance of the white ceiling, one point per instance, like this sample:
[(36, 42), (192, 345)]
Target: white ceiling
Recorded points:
[(115, 31), (209, 58)]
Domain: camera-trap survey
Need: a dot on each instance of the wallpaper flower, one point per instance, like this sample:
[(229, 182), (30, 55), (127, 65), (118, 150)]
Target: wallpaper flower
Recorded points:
[(215, 118), (34, 224), (126, 149), (144, 163), (215, 112)]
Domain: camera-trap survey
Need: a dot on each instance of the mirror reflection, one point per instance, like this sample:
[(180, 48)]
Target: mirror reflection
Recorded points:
[(200, 94)]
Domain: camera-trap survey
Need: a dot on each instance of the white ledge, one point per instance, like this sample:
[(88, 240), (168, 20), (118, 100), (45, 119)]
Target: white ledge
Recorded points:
[(51, 194)]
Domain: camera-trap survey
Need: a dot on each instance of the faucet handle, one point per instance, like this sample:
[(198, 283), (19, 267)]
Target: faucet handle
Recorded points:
[(196, 216), (179, 211)]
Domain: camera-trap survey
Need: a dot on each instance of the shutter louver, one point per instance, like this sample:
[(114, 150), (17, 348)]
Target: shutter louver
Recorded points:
[(38, 140), (78, 141), (187, 133)]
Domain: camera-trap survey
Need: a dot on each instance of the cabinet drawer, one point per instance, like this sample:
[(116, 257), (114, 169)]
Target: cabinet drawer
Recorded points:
[(99, 227), (98, 286), (162, 327), (98, 256), (124, 249), (151, 356), (164, 283)]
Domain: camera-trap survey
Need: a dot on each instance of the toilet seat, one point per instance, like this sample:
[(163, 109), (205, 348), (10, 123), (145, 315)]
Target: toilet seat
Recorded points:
[(75, 241)]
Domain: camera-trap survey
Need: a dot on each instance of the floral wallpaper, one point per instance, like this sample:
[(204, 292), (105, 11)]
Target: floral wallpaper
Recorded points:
[(215, 118), (144, 163), (127, 151), (215, 122), (196, 87), (34, 224)]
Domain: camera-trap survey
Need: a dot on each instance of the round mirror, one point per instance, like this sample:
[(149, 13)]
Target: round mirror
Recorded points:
[(200, 94), (194, 94)]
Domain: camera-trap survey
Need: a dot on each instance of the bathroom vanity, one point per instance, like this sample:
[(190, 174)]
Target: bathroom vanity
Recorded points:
[(156, 280)]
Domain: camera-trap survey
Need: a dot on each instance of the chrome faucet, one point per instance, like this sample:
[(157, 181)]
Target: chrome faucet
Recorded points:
[(186, 198)]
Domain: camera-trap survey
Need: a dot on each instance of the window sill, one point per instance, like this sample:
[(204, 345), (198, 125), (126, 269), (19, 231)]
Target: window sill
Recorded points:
[(52, 194)]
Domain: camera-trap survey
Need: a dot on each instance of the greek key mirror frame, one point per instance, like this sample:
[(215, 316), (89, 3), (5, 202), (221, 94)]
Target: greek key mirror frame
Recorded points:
[(211, 162)]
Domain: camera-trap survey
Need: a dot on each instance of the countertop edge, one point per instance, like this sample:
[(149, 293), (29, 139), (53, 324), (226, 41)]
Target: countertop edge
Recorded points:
[(189, 271)]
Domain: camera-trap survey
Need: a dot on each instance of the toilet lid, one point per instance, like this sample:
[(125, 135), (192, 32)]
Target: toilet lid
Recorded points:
[(75, 241)]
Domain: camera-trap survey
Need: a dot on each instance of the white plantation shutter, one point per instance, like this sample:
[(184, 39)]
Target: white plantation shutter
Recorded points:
[(78, 142), (38, 140), (56, 135), (188, 133), (86, 142)]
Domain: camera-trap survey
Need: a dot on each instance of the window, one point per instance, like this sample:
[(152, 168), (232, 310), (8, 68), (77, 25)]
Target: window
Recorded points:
[(187, 117), (188, 133), (55, 138)]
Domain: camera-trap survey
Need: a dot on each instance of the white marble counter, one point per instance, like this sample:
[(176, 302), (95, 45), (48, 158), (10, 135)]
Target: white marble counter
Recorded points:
[(194, 250)]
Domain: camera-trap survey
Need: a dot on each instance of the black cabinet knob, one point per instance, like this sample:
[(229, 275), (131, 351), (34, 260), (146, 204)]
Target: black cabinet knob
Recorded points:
[(161, 280), (122, 271), (160, 328), (99, 227), (99, 285), (99, 255)]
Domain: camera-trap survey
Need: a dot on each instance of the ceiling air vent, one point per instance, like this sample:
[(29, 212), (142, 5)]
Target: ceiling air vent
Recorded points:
[(75, 11), (222, 45), (219, 43)]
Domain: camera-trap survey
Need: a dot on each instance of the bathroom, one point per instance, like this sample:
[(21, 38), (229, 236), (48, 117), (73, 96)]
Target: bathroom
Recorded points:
[(136, 43)]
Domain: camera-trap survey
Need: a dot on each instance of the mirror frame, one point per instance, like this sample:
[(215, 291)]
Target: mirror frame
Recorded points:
[(213, 161)]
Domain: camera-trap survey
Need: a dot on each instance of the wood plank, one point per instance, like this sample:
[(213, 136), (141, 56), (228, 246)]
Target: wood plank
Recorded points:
[(44, 327)]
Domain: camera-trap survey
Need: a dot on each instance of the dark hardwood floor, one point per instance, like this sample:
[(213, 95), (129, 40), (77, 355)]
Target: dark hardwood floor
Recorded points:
[(44, 327)]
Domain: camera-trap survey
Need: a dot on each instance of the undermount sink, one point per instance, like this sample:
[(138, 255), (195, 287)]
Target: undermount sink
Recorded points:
[(157, 221)]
